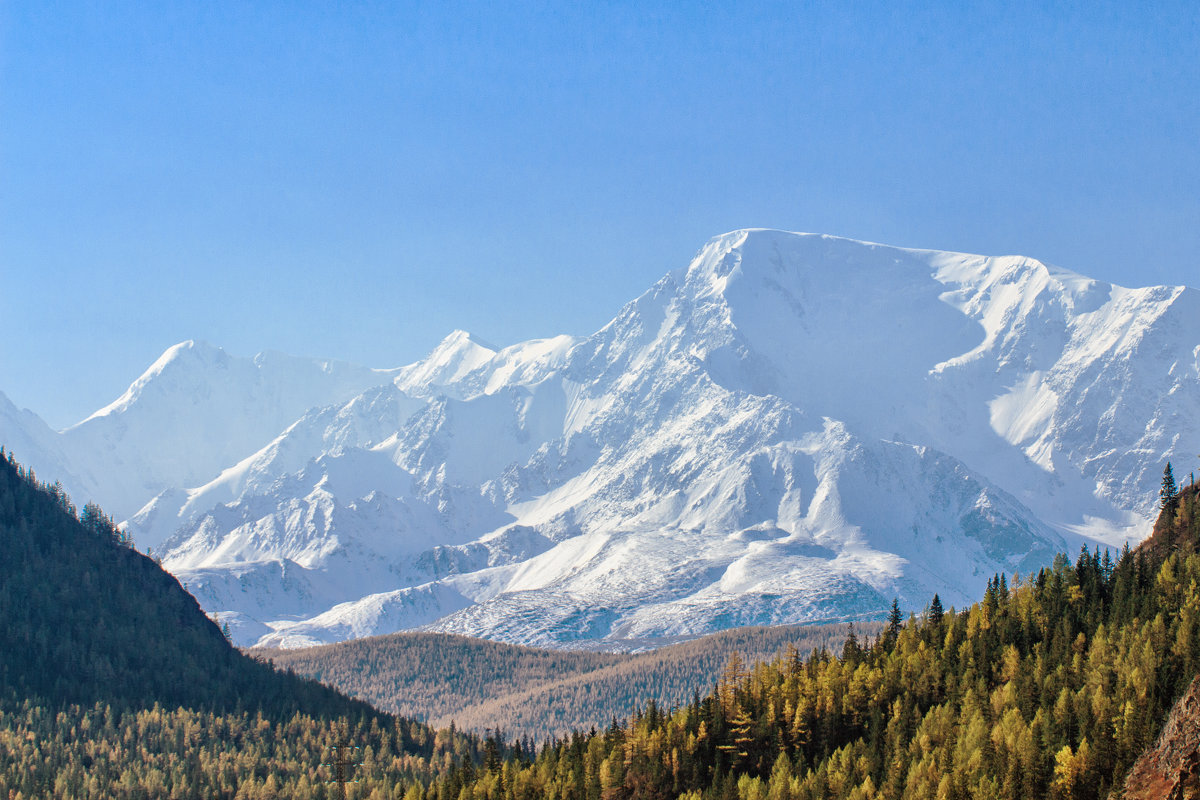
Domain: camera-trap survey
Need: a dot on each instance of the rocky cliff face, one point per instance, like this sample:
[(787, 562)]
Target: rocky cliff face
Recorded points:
[(1170, 770)]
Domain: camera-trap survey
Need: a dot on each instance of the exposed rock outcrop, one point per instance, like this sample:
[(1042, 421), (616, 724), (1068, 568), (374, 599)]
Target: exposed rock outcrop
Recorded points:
[(1170, 770)]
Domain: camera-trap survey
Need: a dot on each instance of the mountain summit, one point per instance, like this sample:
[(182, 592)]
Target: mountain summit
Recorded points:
[(794, 427)]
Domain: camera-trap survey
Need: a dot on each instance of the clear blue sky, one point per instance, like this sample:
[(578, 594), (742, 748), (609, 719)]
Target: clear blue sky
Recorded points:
[(354, 180)]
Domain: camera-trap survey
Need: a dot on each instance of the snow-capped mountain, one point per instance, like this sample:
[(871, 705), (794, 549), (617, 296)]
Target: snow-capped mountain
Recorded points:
[(195, 411), (794, 427)]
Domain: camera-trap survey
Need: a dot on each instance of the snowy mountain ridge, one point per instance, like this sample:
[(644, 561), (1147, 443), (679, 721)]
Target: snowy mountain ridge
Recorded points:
[(794, 427)]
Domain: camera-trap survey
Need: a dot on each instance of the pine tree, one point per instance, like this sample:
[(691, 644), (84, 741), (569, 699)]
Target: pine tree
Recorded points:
[(851, 651)]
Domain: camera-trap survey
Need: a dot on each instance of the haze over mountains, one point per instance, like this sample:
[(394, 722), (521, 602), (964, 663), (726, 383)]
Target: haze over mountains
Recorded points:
[(792, 428)]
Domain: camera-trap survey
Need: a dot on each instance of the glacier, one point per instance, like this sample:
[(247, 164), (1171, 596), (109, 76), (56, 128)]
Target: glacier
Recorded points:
[(791, 428)]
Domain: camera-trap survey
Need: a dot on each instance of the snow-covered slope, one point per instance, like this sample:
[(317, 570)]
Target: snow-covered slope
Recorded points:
[(794, 427), (194, 412), (27, 436)]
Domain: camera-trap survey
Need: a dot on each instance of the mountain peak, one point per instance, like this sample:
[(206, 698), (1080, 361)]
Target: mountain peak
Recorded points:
[(808, 263), (187, 351), (196, 410), (454, 357), (197, 349), (460, 338)]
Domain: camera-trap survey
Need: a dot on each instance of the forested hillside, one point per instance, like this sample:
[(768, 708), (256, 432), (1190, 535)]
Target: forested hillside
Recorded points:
[(433, 675), (529, 692), (114, 684), (88, 619), (1050, 686)]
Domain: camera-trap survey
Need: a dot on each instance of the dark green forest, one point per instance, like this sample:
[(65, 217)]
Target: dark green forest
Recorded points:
[(87, 618)]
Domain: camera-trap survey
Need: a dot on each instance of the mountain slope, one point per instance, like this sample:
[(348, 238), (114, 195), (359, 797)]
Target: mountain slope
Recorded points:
[(194, 412), (793, 428)]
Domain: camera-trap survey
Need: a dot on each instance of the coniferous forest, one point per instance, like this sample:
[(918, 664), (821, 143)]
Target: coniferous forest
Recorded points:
[(116, 685), (87, 619)]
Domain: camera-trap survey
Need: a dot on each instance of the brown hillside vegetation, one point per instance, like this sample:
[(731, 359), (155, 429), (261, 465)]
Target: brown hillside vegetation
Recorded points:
[(431, 675), (529, 692)]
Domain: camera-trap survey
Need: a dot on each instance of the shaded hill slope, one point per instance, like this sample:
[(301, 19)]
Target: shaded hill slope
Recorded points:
[(87, 619)]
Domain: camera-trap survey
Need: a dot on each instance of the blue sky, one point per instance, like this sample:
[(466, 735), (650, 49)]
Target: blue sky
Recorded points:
[(355, 180)]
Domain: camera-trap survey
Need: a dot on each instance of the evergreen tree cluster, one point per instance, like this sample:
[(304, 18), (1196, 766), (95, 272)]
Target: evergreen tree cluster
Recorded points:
[(100, 752), (1050, 687)]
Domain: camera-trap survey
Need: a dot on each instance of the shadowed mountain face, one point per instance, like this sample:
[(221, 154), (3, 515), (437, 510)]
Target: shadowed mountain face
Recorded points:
[(792, 428)]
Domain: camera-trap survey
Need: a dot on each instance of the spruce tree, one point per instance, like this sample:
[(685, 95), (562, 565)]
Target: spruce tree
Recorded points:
[(936, 611), (851, 651), (894, 616), (1168, 495)]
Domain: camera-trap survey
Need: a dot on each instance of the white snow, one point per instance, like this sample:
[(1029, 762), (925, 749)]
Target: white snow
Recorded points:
[(794, 427)]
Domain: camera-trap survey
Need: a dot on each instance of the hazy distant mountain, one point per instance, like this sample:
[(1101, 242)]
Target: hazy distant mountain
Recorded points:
[(191, 414), (793, 428)]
